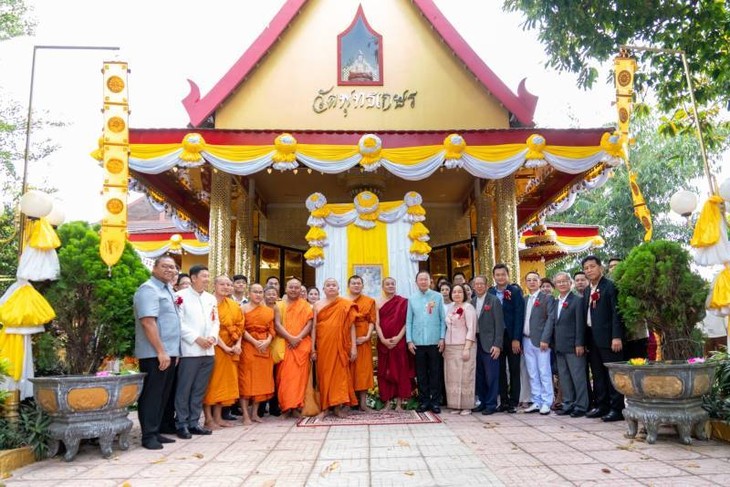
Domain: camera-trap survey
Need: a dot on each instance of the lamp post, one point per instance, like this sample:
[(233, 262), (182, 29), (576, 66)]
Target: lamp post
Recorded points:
[(28, 124)]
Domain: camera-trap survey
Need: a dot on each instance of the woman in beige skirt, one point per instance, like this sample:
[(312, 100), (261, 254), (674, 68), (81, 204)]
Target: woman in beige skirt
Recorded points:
[(460, 354)]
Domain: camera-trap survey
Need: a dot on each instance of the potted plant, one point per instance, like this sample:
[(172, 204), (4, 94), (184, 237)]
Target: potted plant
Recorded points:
[(658, 290), (717, 402)]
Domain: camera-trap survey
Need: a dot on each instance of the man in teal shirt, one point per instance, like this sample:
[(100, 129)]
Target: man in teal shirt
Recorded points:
[(425, 332)]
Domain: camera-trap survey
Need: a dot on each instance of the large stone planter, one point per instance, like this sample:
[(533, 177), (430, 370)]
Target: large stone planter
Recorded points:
[(83, 407), (13, 459), (664, 393)]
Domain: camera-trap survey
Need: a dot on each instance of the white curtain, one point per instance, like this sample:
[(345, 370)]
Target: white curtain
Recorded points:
[(335, 258), (402, 269)]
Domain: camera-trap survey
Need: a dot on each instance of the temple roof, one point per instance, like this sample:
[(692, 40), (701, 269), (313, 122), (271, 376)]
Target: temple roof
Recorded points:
[(521, 106)]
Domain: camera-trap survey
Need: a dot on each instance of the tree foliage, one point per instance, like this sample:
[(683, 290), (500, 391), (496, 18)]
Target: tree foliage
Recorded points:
[(663, 165), (657, 288), (94, 310), (578, 34), (15, 19)]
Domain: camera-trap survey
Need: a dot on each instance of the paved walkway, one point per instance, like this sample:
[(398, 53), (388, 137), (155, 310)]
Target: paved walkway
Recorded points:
[(501, 449)]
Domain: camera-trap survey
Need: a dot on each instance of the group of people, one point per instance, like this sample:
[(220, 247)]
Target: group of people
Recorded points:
[(206, 353)]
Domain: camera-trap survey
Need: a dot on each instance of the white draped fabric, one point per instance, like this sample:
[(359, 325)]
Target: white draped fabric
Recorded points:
[(335, 258), (38, 265), (191, 249), (401, 267)]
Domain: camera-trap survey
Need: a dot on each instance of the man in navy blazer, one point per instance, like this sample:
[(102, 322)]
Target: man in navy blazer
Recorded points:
[(604, 338), (490, 332), (569, 343), (513, 308)]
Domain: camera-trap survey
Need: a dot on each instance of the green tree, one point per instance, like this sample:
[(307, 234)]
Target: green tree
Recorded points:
[(15, 19), (93, 303), (663, 164)]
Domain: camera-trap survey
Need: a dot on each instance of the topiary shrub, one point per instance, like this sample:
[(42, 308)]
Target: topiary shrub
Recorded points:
[(658, 288)]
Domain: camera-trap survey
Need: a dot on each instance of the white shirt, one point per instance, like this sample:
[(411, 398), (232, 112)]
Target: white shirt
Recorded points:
[(591, 290), (198, 319), (561, 300), (528, 312), (480, 304)]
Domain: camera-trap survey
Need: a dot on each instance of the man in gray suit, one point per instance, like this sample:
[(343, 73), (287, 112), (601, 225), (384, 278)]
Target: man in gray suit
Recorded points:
[(537, 335), (490, 337), (570, 349)]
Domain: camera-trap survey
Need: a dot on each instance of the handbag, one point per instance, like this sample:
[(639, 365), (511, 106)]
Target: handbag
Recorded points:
[(311, 397), (278, 344)]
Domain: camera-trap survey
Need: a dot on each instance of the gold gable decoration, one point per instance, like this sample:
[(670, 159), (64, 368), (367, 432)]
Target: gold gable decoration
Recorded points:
[(115, 153)]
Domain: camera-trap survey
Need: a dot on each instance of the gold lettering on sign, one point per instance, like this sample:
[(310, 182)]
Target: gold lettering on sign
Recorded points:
[(327, 100)]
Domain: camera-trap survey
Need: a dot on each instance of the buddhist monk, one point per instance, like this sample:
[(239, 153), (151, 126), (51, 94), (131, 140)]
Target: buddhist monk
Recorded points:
[(256, 369), (367, 316), (334, 348), (223, 385), (296, 328), (396, 368)]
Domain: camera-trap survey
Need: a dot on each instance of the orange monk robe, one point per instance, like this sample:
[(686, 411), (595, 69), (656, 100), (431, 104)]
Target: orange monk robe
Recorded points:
[(223, 384), (256, 369), (293, 372), (362, 368), (333, 353)]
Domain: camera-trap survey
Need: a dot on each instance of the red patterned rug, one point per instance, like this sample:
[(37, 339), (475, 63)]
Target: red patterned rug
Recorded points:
[(357, 418)]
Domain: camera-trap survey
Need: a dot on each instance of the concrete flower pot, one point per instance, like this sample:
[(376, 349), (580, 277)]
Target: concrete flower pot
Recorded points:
[(664, 393), (86, 406)]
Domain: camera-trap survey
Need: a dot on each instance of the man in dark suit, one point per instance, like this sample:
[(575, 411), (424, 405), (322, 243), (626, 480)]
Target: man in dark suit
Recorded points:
[(569, 336), (513, 308), (537, 334), (604, 338), (490, 335)]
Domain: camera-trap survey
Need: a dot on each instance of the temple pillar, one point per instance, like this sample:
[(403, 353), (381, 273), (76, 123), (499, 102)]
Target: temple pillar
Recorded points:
[(484, 205), (505, 193), (220, 224), (243, 241)]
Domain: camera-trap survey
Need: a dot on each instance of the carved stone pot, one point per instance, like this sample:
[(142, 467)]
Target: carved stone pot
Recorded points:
[(86, 406), (668, 393)]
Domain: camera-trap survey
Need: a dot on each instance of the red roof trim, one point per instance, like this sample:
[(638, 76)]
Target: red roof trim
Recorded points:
[(573, 231), (522, 105), (393, 139), (159, 236)]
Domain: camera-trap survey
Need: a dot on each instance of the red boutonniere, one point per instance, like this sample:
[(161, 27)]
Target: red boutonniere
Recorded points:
[(565, 304), (537, 303), (212, 314), (507, 295), (178, 301), (487, 307), (595, 296), (459, 311)]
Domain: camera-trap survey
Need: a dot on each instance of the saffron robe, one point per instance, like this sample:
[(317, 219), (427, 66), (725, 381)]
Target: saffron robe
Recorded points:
[(362, 368), (256, 369), (293, 372), (333, 353), (396, 368), (223, 384)]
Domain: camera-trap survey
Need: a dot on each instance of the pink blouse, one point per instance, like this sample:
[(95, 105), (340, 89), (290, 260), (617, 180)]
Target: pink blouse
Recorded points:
[(460, 328)]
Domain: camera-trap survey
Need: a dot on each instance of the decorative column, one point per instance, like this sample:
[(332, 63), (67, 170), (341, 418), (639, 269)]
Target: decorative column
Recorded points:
[(484, 204), (505, 194), (220, 224), (243, 240)]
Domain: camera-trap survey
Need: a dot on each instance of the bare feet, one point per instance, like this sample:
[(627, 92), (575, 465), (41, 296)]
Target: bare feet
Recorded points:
[(322, 414), (246, 421), (399, 409), (225, 424), (366, 408), (296, 413), (339, 412), (212, 426), (256, 419)]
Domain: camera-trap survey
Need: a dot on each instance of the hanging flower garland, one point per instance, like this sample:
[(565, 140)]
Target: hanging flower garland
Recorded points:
[(454, 145), (613, 145), (192, 145), (534, 157), (419, 234), (316, 236), (285, 157), (370, 147), (367, 205)]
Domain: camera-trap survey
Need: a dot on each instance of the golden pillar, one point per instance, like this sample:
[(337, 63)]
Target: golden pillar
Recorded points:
[(220, 224), (243, 241), (505, 196), (484, 205)]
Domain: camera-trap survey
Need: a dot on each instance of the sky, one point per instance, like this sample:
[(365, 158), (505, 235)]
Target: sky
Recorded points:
[(166, 42)]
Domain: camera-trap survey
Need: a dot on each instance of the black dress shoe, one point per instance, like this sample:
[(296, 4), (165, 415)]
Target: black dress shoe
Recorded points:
[(501, 408), (152, 444), (164, 439), (577, 413), (422, 408), (564, 412), (511, 409), (184, 433), (613, 416), (435, 409), (199, 430), (168, 430), (488, 412), (479, 408), (596, 413)]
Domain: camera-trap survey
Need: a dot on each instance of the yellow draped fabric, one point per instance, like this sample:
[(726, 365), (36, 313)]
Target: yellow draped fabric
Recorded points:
[(495, 152), (640, 209), (367, 246), (327, 152), (26, 307), (720, 296), (43, 236), (707, 229), (239, 153), (12, 348)]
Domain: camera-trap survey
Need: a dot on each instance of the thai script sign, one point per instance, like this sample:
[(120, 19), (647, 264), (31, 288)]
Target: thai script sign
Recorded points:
[(329, 99)]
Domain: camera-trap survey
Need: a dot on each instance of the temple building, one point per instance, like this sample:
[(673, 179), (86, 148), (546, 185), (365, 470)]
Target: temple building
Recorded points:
[(351, 136)]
